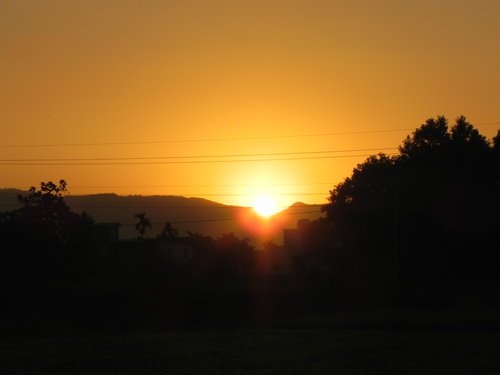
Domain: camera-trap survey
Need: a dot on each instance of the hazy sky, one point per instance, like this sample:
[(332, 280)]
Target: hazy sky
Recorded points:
[(228, 76)]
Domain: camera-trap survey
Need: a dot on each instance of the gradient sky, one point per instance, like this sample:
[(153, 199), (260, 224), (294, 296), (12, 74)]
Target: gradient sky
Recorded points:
[(228, 76)]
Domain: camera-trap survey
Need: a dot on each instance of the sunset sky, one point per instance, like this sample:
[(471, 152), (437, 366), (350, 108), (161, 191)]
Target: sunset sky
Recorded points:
[(221, 80)]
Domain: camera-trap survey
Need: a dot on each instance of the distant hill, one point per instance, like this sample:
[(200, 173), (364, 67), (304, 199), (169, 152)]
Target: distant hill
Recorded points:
[(186, 214), (8, 199)]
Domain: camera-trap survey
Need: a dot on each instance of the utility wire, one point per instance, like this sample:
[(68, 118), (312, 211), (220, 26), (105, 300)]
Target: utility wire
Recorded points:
[(221, 219), (24, 189), (19, 205), (200, 140), (184, 161), (220, 139), (194, 185), (200, 195), (195, 156), (187, 221)]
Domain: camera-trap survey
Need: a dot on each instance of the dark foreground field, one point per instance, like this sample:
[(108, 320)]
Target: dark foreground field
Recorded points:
[(413, 342)]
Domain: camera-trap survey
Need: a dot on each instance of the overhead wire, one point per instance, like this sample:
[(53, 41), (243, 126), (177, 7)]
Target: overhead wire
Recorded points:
[(183, 161), (196, 156), (220, 219), (198, 185), (144, 160), (200, 140), (200, 195)]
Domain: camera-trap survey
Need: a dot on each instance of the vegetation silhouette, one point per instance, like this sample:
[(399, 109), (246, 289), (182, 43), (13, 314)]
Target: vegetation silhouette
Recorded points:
[(143, 224), (43, 239), (417, 228), (168, 232), (422, 225)]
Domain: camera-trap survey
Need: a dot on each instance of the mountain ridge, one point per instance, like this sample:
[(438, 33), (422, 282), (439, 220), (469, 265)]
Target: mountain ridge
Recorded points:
[(186, 214)]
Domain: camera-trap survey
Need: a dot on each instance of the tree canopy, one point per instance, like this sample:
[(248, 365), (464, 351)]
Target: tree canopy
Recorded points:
[(432, 209), (43, 236)]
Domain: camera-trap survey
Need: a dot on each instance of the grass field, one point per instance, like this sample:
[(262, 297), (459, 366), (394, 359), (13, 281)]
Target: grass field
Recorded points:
[(348, 343)]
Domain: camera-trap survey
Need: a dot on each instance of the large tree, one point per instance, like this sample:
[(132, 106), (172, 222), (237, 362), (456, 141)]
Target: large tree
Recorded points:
[(430, 214), (43, 238), (45, 214)]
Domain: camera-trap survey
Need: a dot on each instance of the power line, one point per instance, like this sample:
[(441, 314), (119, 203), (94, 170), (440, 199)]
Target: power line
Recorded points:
[(197, 185), (221, 219), (181, 186), (196, 156), (200, 140), (24, 189), (78, 206), (19, 205), (489, 123), (187, 161), (200, 195), (183, 207)]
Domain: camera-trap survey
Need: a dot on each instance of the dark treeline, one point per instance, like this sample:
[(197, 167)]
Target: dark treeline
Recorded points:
[(422, 225), (419, 228)]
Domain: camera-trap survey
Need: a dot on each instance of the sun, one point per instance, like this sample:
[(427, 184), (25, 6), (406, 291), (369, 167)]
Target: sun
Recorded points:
[(265, 206)]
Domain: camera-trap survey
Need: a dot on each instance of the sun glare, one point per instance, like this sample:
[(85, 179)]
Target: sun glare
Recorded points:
[(265, 206)]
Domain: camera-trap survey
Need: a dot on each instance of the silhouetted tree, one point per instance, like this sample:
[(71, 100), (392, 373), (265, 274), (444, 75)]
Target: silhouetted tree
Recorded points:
[(361, 211), (45, 212), (44, 237), (430, 139), (496, 146), (426, 213), (168, 232), (142, 224)]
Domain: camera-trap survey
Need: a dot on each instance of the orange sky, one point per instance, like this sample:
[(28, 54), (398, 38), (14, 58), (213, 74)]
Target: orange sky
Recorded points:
[(214, 72)]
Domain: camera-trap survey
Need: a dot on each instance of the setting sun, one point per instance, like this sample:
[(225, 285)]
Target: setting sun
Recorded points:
[(265, 206)]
